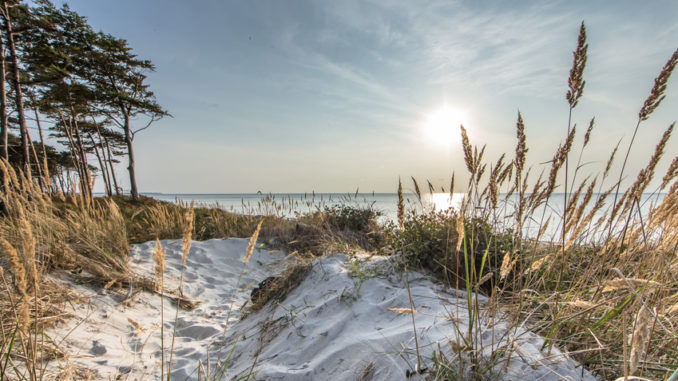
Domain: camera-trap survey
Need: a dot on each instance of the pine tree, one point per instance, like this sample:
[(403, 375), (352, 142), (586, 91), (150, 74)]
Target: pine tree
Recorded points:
[(88, 85), (6, 10), (120, 82)]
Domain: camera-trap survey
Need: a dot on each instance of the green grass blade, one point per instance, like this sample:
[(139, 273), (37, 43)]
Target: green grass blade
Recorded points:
[(9, 350), (228, 360), (611, 314), (482, 262), (469, 291)]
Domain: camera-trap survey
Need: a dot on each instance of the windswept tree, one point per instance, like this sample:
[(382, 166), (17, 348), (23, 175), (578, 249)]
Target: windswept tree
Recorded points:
[(119, 78), (56, 56), (87, 85), (7, 9)]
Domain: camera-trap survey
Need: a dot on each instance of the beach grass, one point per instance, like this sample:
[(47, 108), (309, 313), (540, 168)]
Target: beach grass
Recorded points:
[(605, 290)]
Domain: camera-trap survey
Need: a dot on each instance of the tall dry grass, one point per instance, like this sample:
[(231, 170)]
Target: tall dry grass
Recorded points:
[(603, 288), (86, 241), (37, 237)]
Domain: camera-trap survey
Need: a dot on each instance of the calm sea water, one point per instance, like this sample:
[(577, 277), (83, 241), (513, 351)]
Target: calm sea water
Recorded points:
[(294, 204)]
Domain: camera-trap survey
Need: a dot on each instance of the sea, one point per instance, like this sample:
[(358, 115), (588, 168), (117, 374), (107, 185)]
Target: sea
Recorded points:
[(295, 204)]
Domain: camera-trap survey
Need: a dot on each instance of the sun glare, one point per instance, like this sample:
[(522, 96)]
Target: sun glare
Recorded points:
[(442, 125)]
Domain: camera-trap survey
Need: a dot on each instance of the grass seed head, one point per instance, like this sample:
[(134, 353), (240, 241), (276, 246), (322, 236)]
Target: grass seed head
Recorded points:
[(28, 243), (521, 147), (417, 191), (671, 173), (640, 338), (587, 135), (506, 265), (17, 269), (468, 151), (610, 160), (186, 240), (657, 93), (645, 175), (576, 81), (253, 241), (460, 227), (159, 257), (494, 188)]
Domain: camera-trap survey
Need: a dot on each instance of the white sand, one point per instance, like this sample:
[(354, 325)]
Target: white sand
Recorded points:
[(336, 325)]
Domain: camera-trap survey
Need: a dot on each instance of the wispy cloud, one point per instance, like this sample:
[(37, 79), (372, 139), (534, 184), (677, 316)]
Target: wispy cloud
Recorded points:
[(355, 78), (426, 46)]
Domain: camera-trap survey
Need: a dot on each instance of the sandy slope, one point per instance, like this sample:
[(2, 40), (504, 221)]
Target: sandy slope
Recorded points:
[(338, 324)]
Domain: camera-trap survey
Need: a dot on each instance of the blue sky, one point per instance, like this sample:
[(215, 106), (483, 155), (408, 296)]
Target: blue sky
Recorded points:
[(294, 96)]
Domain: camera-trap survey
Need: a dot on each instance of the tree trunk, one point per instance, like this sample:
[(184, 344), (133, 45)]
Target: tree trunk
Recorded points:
[(106, 172), (130, 154), (69, 182), (101, 165), (73, 153), (110, 164), (87, 181), (25, 149), (35, 157), (45, 170), (103, 155), (3, 103), (72, 186), (68, 128), (60, 179)]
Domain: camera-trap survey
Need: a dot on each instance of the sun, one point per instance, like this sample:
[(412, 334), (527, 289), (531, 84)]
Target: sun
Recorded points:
[(442, 125)]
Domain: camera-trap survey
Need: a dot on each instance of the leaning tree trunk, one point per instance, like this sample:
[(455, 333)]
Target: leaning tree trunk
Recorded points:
[(69, 182), (74, 153), (45, 167), (106, 172), (25, 149), (130, 154), (87, 181), (60, 179), (3, 103), (75, 158), (35, 157), (110, 164), (102, 165), (104, 168)]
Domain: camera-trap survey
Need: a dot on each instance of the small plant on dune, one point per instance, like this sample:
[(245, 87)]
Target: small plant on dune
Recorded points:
[(352, 217), (430, 241), (341, 228)]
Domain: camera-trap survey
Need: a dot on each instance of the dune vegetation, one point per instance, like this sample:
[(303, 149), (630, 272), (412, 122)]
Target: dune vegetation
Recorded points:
[(605, 289)]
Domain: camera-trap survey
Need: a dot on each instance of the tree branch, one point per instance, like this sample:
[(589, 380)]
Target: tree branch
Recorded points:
[(111, 117), (154, 118)]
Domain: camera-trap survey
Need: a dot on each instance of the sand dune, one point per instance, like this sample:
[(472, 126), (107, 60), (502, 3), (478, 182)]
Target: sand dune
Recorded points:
[(339, 324)]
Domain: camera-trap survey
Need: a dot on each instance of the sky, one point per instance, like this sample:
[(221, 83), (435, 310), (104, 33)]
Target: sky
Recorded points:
[(300, 96)]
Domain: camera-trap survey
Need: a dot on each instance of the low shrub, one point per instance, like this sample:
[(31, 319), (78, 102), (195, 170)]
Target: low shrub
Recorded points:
[(356, 218), (431, 241)]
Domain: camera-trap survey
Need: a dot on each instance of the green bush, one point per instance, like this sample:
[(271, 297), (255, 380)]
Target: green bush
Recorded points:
[(430, 241), (356, 218)]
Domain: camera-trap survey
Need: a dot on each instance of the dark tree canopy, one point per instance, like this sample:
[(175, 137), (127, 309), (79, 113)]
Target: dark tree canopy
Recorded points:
[(87, 88)]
